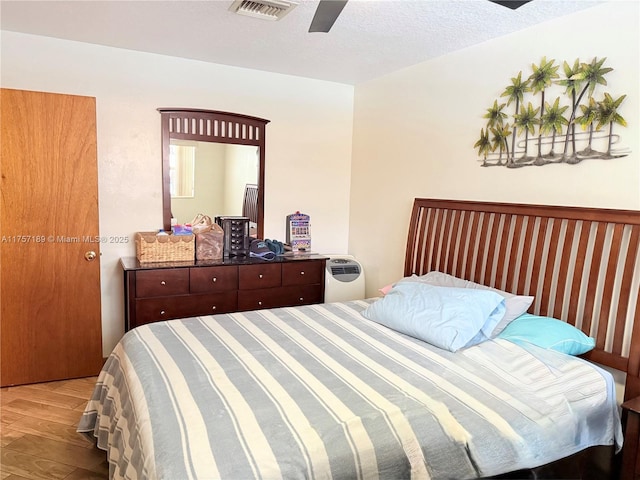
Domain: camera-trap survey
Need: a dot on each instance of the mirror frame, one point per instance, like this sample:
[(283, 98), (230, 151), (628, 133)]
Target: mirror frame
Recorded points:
[(211, 126)]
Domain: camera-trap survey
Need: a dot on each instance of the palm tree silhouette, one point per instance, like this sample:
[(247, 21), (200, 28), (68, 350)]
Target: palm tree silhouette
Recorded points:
[(484, 146), (541, 78), (592, 74), (552, 122), (527, 120), (589, 115), (515, 92), (608, 115), (495, 115), (500, 135), (572, 86)]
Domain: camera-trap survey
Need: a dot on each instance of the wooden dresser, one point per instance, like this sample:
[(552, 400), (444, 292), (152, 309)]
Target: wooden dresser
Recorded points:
[(162, 291)]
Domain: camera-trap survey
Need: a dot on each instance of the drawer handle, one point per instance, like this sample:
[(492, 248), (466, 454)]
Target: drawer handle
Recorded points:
[(302, 299), (302, 273), (161, 312), (259, 303), (260, 276), (163, 282), (213, 308), (215, 279)]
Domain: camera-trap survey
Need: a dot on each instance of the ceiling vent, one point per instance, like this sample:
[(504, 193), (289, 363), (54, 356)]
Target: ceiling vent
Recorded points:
[(265, 9)]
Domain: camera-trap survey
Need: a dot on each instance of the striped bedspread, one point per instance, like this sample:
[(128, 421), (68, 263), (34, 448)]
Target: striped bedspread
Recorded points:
[(321, 392)]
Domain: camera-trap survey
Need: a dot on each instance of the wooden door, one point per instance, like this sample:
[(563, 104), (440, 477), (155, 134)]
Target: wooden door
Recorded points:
[(50, 326)]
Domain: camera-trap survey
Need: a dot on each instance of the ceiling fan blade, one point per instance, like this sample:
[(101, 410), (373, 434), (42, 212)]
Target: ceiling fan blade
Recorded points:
[(326, 15), (512, 4)]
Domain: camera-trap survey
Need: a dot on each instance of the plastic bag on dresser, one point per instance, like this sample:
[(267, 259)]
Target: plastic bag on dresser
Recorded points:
[(201, 223), (210, 243)]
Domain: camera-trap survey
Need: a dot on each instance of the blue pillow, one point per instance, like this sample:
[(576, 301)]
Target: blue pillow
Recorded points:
[(449, 318), (548, 333)]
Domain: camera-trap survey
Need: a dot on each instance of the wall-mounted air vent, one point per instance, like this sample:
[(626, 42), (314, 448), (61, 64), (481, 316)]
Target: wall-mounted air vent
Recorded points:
[(265, 9)]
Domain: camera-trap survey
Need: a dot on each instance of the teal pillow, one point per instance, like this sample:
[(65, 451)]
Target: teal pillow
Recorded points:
[(548, 333)]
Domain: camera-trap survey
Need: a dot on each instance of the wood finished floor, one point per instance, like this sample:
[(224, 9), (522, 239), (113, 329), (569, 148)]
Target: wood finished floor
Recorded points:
[(38, 438)]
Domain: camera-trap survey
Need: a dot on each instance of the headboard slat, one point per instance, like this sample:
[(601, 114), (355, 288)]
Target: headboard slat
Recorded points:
[(422, 228), (537, 270), (446, 241), (463, 244), (472, 239), (626, 286), (435, 238), (526, 254), (513, 255), (593, 277), (454, 255), (561, 285), (634, 351), (492, 251), (608, 293), (502, 257), (431, 242), (581, 264), (553, 259), (579, 258), (482, 247)]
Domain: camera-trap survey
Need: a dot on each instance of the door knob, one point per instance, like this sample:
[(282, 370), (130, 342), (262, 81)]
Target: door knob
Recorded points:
[(90, 256)]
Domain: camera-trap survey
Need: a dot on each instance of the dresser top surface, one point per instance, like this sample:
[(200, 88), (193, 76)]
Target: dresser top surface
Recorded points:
[(132, 263)]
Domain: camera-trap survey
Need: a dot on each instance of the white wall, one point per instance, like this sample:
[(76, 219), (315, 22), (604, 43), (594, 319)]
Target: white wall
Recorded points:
[(129, 86), (415, 129)]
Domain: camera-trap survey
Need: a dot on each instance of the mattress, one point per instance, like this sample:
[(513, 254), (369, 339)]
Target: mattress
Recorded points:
[(321, 392)]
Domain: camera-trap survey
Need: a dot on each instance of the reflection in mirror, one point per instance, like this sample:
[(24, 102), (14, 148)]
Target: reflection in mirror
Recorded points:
[(182, 159), (221, 173), (227, 166)]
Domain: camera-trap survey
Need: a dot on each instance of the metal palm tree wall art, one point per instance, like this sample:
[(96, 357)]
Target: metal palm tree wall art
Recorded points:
[(543, 132)]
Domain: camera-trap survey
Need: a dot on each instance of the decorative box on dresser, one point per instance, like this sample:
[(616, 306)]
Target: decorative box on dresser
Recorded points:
[(163, 291)]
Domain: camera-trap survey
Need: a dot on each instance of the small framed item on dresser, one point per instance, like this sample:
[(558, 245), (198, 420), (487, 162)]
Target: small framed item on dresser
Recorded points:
[(298, 232)]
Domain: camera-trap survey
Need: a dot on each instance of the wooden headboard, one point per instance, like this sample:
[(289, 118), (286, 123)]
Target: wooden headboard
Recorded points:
[(582, 265)]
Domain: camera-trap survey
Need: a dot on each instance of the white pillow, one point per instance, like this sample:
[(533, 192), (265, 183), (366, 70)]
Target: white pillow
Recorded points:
[(449, 318), (515, 305)]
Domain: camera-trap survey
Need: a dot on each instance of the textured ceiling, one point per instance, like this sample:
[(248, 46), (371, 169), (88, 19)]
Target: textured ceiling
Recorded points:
[(369, 39)]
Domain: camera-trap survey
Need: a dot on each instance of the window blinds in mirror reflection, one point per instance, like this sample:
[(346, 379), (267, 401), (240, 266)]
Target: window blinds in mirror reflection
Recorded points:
[(182, 170)]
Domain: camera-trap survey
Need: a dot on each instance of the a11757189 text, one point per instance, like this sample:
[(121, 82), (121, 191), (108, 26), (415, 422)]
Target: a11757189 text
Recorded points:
[(65, 239)]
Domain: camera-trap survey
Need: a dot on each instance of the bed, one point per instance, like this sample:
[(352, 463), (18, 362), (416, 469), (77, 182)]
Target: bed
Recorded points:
[(321, 391)]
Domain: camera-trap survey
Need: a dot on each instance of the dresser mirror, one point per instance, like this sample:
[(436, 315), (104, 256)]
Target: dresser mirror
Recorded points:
[(212, 163)]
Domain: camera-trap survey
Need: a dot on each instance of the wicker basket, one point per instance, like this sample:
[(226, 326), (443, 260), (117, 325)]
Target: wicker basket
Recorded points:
[(164, 248)]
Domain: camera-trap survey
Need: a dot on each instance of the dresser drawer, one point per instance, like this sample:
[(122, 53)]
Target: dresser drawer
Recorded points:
[(162, 308), (279, 297), (165, 308), (213, 279), (302, 295), (158, 283), (302, 273), (211, 304), (259, 276), (258, 299)]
